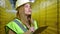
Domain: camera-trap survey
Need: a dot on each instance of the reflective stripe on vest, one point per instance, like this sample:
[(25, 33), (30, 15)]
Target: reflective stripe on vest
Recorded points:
[(20, 25)]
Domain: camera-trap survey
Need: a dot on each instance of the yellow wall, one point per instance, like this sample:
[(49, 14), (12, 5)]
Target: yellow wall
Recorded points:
[(5, 16), (45, 12)]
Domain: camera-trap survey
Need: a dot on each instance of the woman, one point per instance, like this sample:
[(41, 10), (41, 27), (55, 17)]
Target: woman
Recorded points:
[(23, 18)]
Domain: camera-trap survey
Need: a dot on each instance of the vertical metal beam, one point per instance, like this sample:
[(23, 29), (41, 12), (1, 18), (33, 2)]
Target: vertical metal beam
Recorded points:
[(57, 16), (46, 15)]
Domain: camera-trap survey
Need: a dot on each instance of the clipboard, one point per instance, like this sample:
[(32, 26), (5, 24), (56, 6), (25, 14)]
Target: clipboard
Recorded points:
[(40, 29)]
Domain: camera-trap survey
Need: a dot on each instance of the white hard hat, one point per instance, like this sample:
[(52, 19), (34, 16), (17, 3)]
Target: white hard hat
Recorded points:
[(21, 2)]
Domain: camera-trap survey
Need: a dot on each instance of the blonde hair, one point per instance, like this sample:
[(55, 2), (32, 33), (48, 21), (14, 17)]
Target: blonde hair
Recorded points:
[(21, 14)]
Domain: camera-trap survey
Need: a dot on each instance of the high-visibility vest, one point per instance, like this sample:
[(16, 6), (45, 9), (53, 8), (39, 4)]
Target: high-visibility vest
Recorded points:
[(14, 27)]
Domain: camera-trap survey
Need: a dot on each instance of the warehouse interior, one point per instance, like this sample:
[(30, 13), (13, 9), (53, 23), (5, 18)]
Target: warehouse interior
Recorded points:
[(45, 12)]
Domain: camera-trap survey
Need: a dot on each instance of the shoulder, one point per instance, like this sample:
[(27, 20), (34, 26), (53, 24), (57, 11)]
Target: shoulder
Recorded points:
[(35, 21), (35, 24), (11, 23), (14, 27)]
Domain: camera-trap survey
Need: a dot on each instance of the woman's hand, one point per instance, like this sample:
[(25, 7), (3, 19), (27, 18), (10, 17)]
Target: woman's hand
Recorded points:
[(32, 29)]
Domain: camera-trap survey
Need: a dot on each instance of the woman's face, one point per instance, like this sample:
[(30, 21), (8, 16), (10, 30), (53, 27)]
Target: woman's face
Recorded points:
[(27, 8)]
